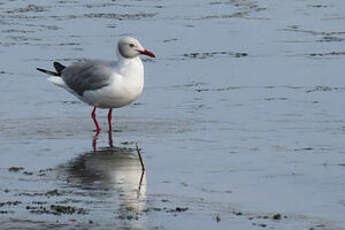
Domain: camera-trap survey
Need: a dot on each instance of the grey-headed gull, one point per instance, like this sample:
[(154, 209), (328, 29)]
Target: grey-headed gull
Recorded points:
[(105, 84)]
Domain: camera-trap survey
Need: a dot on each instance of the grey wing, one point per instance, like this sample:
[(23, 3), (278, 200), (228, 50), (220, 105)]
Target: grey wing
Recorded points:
[(88, 75)]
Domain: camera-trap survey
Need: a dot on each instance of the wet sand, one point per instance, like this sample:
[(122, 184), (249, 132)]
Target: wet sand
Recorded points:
[(241, 123)]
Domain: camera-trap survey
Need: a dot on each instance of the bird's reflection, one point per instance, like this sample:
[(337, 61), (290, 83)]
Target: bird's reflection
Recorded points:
[(113, 169)]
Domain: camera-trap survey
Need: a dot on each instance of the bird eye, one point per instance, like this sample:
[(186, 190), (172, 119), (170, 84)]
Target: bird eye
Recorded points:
[(131, 45)]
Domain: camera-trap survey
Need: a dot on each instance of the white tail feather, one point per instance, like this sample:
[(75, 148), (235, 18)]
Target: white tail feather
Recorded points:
[(57, 81)]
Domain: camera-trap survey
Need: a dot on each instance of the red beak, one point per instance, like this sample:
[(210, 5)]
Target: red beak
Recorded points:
[(146, 52)]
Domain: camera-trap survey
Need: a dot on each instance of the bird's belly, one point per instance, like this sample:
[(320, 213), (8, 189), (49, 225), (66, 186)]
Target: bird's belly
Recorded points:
[(109, 97)]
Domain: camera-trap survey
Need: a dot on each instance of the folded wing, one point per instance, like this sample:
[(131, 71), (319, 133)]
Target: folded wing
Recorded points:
[(88, 75)]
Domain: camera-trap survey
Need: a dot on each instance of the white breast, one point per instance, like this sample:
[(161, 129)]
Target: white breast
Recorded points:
[(126, 85)]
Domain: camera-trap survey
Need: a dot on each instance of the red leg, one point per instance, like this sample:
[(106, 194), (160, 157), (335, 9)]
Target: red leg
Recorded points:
[(93, 115), (94, 141), (109, 118), (110, 138)]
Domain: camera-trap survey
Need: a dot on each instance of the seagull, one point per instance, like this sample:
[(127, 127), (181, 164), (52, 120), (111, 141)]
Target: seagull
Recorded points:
[(105, 84)]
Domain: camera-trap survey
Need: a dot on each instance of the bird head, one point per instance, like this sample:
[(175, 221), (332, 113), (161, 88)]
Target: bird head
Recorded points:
[(129, 47)]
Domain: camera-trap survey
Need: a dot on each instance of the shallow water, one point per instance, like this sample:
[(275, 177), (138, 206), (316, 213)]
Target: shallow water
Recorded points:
[(241, 119)]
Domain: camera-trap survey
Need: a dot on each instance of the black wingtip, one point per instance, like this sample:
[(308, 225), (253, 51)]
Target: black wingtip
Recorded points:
[(59, 67), (48, 72), (42, 70)]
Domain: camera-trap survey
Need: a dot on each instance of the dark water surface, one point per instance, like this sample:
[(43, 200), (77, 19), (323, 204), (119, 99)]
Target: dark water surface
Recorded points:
[(241, 124)]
